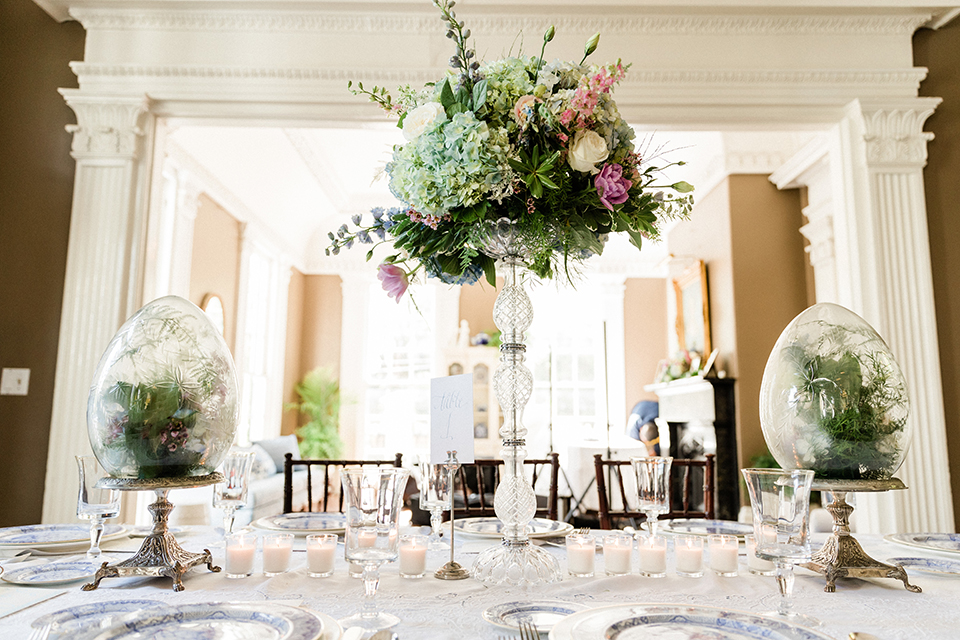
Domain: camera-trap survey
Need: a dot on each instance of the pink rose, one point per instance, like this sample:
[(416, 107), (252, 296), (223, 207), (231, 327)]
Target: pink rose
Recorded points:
[(394, 280), (524, 108), (611, 186)]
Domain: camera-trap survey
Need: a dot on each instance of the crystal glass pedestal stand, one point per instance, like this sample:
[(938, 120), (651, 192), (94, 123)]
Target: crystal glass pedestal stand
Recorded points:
[(515, 561), (841, 556), (159, 555)]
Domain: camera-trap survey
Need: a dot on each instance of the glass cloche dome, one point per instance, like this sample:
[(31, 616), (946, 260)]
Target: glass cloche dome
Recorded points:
[(833, 399), (164, 399)]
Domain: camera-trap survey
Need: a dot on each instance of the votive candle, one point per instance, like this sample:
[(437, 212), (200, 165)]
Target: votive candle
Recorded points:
[(413, 556), (617, 553), (581, 552), (367, 537), (241, 548), (688, 551), (653, 556), (723, 554), (277, 548), (321, 553), (755, 564)]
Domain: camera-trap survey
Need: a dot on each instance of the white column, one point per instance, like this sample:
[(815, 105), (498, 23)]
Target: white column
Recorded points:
[(355, 287), (615, 357), (103, 273)]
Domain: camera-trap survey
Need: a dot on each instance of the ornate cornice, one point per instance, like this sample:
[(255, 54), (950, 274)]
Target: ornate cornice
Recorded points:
[(428, 23), (107, 127)]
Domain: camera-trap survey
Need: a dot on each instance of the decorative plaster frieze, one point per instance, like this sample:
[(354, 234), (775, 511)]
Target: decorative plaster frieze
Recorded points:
[(895, 136), (112, 19), (107, 126)]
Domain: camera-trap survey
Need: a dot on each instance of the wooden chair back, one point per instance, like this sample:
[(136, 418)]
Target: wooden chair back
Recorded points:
[(476, 479), (326, 466), (609, 478)]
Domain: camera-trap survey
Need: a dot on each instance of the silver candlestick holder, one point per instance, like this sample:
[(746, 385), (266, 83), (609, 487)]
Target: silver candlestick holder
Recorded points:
[(452, 570)]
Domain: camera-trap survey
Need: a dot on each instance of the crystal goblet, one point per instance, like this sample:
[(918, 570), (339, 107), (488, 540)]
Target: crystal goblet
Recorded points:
[(781, 512), (436, 482), (653, 487), (93, 503), (231, 494), (373, 497)]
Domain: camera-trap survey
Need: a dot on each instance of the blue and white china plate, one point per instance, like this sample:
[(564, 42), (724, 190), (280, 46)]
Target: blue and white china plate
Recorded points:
[(48, 535), (66, 622), (214, 620), (492, 527), (701, 527), (676, 622), (147, 529), (51, 573), (304, 523), (929, 565), (544, 613), (943, 542)]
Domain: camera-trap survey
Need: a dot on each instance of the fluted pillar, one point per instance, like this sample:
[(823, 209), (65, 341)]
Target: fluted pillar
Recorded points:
[(103, 272)]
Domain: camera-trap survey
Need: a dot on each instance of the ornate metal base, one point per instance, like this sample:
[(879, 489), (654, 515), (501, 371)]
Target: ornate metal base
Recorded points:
[(517, 564), (159, 555), (452, 571), (841, 555)]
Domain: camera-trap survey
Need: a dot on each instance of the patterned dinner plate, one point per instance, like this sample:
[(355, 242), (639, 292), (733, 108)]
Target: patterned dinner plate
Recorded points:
[(701, 527), (48, 535), (66, 622), (676, 622), (543, 614), (304, 523), (214, 620), (929, 565), (944, 542), (492, 527), (51, 573)]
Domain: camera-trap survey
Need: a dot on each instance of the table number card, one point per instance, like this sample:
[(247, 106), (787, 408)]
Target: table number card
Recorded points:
[(451, 418)]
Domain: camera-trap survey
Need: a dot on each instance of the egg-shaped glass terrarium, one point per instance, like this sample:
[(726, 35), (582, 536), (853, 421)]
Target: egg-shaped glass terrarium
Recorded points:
[(164, 399), (833, 398)]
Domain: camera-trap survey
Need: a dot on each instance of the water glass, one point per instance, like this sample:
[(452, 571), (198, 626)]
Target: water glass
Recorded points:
[(653, 487), (321, 554), (277, 549), (93, 503), (653, 556), (231, 494), (241, 549), (436, 481), (581, 554), (724, 554), (617, 554), (755, 564), (689, 554), (413, 556)]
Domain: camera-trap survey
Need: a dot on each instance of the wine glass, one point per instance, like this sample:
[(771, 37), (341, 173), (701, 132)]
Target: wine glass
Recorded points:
[(781, 512), (653, 487), (93, 503), (231, 494), (435, 486), (373, 497)]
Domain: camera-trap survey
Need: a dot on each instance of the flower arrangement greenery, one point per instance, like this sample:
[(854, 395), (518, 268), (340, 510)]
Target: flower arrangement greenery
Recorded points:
[(540, 143), (319, 393)]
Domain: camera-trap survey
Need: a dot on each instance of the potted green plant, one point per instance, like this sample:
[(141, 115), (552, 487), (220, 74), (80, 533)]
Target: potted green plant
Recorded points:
[(319, 393)]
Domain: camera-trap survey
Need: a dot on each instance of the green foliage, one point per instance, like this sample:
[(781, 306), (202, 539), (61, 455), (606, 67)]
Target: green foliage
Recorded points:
[(319, 393)]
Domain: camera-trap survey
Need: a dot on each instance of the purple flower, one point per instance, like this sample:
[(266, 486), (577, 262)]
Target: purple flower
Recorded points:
[(393, 279), (611, 186)]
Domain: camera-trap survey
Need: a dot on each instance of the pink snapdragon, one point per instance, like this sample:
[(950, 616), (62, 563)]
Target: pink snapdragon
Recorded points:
[(587, 95), (393, 279), (611, 186)]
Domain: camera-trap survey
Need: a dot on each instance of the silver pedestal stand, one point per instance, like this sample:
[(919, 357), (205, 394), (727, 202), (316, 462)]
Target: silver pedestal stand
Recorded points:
[(159, 555), (841, 556)]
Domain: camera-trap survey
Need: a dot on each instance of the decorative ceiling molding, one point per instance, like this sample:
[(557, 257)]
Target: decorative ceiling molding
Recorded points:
[(318, 167), (236, 20)]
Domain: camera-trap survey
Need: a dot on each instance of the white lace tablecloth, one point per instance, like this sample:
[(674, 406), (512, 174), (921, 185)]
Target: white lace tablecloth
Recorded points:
[(432, 609)]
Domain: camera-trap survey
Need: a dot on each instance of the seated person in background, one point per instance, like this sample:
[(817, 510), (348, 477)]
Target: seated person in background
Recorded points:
[(641, 425)]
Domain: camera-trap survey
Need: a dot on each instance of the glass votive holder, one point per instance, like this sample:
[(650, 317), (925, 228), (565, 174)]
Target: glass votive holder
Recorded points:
[(617, 553), (757, 565), (277, 549), (723, 554), (688, 551), (240, 549), (413, 556), (581, 552), (321, 554), (653, 556)]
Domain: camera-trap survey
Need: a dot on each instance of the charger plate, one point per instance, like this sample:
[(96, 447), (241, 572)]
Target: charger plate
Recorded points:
[(52, 573), (702, 527), (492, 527), (942, 542), (542, 613), (214, 620), (50, 536), (304, 523), (676, 622), (929, 565), (66, 622)]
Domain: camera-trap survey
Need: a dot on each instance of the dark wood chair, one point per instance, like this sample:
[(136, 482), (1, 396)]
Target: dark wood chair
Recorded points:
[(609, 474), (327, 465), (477, 481)]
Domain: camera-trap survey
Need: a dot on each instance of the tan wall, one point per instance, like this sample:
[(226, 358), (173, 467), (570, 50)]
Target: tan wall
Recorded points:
[(215, 268), (644, 334), (939, 51), (36, 191), (476, 306), (292, 371)]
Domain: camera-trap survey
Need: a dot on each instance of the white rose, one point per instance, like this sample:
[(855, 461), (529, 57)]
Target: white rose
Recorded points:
[(421, 119), (586, 150)]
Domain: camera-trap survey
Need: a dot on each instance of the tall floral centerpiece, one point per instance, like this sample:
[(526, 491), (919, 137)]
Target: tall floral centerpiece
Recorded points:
[(511, 165)]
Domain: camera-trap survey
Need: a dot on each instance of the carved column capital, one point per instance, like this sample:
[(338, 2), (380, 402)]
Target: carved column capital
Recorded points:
[(894, 134), (107, 126)]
